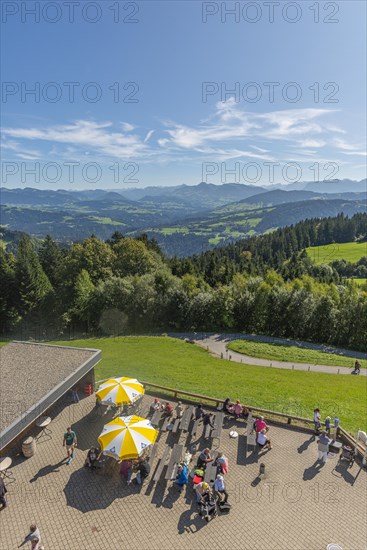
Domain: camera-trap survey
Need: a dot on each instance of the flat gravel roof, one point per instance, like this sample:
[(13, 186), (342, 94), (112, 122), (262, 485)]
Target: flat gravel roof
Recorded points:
[(30, 371)]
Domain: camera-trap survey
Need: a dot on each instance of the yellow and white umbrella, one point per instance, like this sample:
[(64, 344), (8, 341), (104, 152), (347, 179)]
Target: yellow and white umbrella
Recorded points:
[(118, 391), (127, 437)]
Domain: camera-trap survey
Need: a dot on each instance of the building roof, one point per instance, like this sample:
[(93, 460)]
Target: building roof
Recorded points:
[(32, 377)]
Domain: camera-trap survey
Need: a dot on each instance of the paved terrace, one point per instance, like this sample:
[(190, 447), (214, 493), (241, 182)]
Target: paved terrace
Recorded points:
[(298, 505)]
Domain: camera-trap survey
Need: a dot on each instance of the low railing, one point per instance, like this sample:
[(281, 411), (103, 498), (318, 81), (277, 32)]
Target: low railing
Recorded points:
[(343, 435)]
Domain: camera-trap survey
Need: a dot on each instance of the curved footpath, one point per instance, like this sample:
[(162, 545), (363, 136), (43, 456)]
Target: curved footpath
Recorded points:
[(217, 344)]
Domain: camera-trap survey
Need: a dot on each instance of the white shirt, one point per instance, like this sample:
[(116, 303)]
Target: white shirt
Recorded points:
[(261, 438)]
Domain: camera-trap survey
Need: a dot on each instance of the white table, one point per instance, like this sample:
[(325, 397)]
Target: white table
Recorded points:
[(43, 422), (5, 464)]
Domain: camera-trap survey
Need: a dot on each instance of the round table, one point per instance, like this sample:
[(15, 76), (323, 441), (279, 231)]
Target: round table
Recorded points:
[(43, 423), (5, 464)]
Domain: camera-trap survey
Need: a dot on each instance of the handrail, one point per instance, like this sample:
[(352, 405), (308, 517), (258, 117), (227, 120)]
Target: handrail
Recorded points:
[(343, 433)]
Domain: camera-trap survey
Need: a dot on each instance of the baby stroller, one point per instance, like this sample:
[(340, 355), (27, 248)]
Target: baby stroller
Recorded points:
[(347, 454), (208, 507)]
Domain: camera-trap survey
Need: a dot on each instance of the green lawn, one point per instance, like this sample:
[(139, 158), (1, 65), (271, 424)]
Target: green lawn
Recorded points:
[(359, 281), (171, 362), (291, 354), (337, 251)]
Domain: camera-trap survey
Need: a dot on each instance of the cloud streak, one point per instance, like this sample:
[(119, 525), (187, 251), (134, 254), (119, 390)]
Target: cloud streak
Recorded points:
[(230, 132)]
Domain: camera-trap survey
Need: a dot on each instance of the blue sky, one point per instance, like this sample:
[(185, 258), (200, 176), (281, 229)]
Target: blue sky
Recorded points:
[(142, 114)]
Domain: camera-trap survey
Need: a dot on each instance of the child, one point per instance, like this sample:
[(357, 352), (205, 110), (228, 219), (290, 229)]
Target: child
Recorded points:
[(317, 420), (327, 424)]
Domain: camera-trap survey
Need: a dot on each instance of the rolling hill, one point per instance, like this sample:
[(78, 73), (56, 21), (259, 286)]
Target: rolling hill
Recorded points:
[(238, 221), (184, 219)]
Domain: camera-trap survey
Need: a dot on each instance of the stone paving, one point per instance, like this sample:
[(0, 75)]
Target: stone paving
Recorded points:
[(297, 505)]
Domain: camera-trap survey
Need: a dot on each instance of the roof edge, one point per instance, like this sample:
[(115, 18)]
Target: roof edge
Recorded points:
[(51, 345), (36, 410)]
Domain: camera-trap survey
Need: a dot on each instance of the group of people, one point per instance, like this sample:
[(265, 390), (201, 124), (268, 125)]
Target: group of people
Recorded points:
[(140, 466), (209, 497), (261, 428), (317, 422), (324, 435), (166, 408), (235, 409)]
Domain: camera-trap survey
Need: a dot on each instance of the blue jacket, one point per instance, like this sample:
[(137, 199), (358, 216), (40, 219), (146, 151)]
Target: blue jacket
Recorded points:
[(183, 477)]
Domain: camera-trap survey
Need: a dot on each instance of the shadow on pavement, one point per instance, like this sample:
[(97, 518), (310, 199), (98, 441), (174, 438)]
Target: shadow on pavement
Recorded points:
[(313, 470)]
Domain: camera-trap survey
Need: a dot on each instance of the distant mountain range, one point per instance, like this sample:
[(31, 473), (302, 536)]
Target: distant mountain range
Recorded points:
[(329, 186), (184, 219)]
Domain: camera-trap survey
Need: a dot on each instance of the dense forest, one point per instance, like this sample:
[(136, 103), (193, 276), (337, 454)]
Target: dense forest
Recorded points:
[(265, 284)]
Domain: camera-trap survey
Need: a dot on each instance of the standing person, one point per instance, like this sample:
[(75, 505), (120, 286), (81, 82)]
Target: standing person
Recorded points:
[(220, 489), (3, 491), (75, 395), (222, 463), (208, 420), (357, 367), (34, 537), (70, 442), (317, 420), (199, 411), (179, 410), (323, 446), (327, 424)]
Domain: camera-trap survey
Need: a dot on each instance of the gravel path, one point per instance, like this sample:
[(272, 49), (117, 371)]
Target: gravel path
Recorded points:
[(217, 344)]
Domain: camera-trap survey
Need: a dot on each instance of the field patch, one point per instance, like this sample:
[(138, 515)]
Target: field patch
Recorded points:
[(352, 252)]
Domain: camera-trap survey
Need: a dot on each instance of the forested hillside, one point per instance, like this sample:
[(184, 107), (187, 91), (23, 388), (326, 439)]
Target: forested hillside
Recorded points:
[(266, 284), (183, 220)]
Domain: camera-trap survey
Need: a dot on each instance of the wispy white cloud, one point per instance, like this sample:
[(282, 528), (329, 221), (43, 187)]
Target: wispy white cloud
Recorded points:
[(127, 127), (231, 123), (260, 149), (311, 143), (148, 136), (350, 148), (19, 150), (97, 137), (230, 132)]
